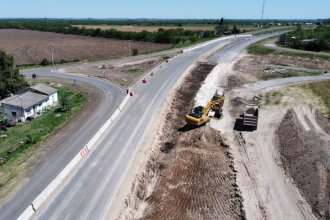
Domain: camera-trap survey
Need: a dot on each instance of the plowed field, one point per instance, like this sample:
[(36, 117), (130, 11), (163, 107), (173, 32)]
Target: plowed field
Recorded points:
[(30, 47)]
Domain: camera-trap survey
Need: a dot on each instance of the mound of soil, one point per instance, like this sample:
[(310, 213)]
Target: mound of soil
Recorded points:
[(197, 181), (306, 157)]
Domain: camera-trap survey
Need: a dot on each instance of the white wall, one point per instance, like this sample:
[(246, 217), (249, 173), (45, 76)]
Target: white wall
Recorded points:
[(53, 99)]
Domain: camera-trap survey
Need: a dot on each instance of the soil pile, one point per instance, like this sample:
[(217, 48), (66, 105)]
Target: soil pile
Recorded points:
[(306, 157)]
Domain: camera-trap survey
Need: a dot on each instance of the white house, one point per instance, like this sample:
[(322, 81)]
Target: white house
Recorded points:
[(29, 103)]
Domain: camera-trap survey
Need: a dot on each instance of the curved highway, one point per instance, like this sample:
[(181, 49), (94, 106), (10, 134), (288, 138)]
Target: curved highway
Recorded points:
[(88, 193)]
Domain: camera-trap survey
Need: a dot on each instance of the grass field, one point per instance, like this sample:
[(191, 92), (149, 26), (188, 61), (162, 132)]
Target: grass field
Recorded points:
[(155, 28), (260, 50), (18, 143), (321, 90), (30, 47)]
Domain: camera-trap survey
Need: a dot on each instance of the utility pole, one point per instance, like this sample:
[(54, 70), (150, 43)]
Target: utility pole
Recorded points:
[(52, 47), (262, 13), (129, 49)]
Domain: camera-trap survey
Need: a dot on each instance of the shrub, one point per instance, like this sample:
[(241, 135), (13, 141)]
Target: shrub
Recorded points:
[(135, 52), (44, 62)]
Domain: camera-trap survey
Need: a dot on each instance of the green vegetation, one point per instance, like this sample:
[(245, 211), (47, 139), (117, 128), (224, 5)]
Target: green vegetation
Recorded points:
[(134, 70), (17, 143), (317, 39), (172, 36), (259, 50), (322, 90), (135, 52), (44, 62), (11, 81)]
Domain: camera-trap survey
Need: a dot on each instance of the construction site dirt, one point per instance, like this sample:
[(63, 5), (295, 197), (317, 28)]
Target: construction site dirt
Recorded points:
[(304, 147), (121, 74), (192, 170)]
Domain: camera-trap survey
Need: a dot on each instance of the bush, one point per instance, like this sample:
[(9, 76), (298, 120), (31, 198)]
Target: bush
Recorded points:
[(135, 52), (44, 62), (260, 50), (65, 104)]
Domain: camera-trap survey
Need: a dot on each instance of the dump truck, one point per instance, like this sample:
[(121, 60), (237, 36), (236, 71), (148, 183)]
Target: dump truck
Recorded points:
[(251, 115), (200, 115)]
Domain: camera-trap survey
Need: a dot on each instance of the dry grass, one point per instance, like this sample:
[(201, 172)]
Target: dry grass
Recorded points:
[(30, 47)]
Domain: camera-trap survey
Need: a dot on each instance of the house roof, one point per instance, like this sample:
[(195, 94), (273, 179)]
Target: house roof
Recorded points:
[(25, 100), (42, 88)]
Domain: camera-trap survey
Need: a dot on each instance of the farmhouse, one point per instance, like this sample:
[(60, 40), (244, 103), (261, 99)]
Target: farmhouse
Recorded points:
[(29, 103)]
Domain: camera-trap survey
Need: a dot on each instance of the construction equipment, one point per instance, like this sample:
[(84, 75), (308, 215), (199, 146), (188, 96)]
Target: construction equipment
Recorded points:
[(251, 115), (200, 115)]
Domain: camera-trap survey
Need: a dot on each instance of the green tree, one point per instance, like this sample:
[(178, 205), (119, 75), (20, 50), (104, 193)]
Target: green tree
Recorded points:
[(222, 27), (44, 62), (235, 30), (3, 119), (135, 52), (65, 103), (11, 81)]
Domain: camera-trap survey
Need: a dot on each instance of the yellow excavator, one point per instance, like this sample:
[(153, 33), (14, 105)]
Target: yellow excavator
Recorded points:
[(200, 115)]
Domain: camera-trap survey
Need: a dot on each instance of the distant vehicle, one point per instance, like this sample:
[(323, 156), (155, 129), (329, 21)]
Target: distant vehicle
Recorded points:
[(251, 115)]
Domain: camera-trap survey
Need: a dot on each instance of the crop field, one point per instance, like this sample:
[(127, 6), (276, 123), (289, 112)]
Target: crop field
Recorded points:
[(155, 28), (31, 47)]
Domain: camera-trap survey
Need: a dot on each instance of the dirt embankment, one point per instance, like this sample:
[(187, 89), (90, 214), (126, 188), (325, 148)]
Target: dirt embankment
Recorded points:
[(276, 66), (304, 147), (191, 175)]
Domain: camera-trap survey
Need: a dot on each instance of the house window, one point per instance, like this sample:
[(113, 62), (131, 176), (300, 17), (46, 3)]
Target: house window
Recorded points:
[(13, 114)]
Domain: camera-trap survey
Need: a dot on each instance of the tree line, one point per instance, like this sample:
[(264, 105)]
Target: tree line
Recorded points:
[(317, 39), (173, 36)]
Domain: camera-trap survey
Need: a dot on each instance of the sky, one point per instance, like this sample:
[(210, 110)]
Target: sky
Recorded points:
[(230, 9)]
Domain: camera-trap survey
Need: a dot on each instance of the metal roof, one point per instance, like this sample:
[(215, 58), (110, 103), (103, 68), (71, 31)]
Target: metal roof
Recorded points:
[(42, 88), (25, 100)]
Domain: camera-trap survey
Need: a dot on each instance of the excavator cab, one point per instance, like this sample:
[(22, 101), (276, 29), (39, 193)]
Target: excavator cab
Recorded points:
[(197, 112)]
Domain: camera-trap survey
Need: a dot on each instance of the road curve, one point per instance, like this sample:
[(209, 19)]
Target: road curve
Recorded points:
[(286, 81), (88, 193), (69, 146)]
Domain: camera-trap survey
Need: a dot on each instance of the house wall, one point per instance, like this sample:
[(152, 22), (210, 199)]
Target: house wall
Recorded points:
[(53, 99), (34, 110), (8, 109)]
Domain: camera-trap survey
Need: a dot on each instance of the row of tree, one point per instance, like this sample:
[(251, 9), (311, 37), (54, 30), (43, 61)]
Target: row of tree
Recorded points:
[(317, 39), (172, 36)]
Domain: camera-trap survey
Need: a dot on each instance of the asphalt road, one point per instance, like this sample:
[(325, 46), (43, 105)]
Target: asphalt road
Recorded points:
[(69, 146), (88, 193), (286, 81)]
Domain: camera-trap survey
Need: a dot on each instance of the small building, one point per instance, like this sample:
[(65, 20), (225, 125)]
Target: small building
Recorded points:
[(29, 103), (46, 90)]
